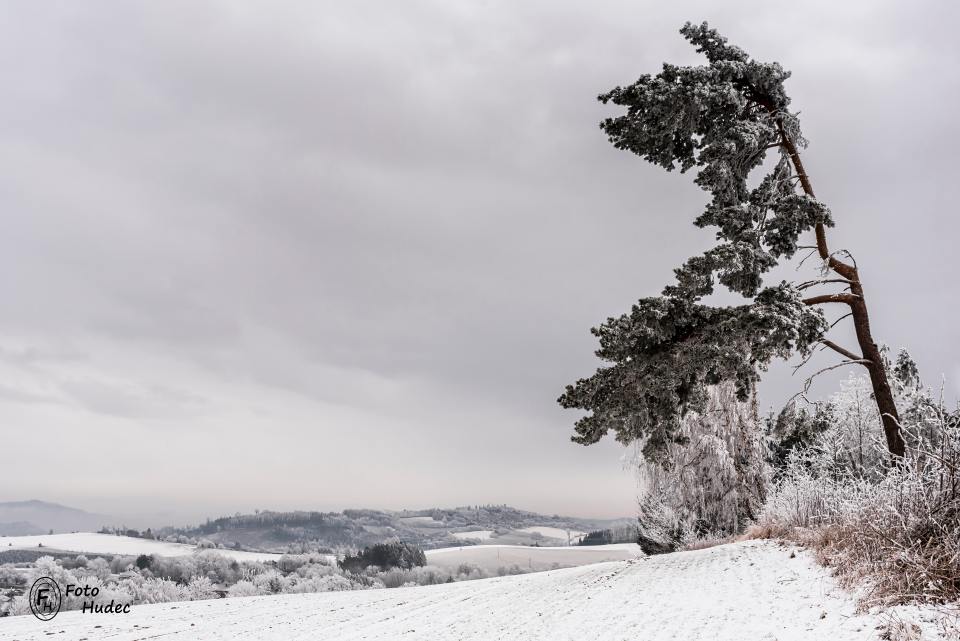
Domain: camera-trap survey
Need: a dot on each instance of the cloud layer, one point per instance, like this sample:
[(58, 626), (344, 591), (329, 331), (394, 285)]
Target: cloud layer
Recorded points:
[(328, 254)]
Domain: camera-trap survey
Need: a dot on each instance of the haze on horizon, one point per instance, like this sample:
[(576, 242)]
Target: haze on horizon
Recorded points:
[(326, 255)]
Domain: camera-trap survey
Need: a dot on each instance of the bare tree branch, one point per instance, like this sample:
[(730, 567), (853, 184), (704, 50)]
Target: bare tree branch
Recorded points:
[(807, 383), (849, 299), (847, 315), (823, 281), (841, 350)]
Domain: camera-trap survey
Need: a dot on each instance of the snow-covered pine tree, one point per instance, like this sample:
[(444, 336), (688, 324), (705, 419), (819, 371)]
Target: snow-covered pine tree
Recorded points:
[(722, 118)]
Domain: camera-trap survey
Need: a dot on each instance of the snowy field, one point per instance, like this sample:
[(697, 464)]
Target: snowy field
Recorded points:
[(479, 535), (92, 543), (554, 533), (740, 592), (420, 520), (491, 557)]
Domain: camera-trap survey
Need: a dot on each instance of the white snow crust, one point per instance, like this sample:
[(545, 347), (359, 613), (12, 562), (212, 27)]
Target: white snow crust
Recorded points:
[(754, 590)]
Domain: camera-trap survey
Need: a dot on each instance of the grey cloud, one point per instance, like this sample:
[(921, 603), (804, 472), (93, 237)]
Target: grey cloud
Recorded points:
[(134, 401), (17, 395)]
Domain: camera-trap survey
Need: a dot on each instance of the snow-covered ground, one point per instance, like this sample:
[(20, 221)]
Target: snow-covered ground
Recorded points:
[(420, 520), (492, 557), (479, 535), (93, 543), (740, 592), (554, 532)]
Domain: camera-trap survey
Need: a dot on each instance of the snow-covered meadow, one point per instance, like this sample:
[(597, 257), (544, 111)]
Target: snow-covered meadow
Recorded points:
[(473, 535), (492, 557), (555, 533), (93, 543), (743, 591)]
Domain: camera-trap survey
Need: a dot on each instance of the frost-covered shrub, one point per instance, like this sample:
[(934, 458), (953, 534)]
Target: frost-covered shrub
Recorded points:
[(393, 578), (80, 561), (155, 590), (216, 567), (120, 564), (470, 571), (9, 576), (201, 588), (243, 588), (109, 591), (99, 568), (330, 583), (294, 562), (19, 606), (316, 570), (271, 582), (433, 575), (510, 570)]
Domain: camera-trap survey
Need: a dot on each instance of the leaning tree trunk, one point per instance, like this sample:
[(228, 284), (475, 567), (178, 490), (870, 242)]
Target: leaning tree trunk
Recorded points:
[(878, 374), (871, 357)]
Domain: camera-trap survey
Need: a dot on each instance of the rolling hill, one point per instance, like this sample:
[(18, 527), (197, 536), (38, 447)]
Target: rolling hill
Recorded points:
[(431, 528), (19, 518)]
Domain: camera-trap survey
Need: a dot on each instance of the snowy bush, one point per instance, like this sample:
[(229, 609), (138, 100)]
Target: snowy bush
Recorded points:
[(9, 576), (201, 588), (331, 583), (99, 568), (154, 590), (19, 606), (270, 582), (890, 526), (243, 588)]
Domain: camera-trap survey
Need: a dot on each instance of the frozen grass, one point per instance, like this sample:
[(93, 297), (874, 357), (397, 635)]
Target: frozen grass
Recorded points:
[(893, 532)]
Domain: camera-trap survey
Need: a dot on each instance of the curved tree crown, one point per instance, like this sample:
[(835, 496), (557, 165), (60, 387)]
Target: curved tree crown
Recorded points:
[(721, 118)]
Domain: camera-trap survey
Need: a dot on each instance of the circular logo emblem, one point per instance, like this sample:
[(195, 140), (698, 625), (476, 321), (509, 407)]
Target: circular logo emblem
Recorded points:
[(45, 598)]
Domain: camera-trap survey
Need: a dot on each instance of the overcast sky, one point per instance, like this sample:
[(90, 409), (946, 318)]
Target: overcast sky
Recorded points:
[(329, 254)]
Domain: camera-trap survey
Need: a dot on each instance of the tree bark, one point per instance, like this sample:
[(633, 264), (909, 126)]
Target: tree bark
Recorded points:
[(861, 318)]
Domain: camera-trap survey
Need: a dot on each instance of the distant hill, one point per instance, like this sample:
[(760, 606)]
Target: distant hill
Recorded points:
[(20, 528), (430, 528), (22, 518)]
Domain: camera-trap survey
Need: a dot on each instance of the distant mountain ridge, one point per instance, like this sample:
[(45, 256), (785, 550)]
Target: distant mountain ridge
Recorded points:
[(20, 518)]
